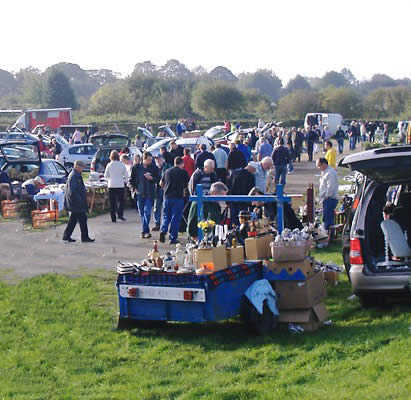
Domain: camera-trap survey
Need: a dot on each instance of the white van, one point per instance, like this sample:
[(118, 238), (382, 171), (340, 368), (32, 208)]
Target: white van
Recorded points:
[(321, 119)]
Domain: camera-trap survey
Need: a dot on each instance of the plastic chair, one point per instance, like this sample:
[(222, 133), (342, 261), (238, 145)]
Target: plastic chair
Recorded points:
[(396, 241)]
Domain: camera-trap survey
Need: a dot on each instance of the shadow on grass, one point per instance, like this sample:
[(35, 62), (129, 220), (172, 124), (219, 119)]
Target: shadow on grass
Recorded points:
[(351, 324)]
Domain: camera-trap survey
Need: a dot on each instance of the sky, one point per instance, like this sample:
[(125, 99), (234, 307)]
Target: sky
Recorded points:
[(287, 36)]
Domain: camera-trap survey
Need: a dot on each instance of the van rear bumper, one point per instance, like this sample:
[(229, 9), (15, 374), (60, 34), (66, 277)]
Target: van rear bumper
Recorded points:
[(372, 282)]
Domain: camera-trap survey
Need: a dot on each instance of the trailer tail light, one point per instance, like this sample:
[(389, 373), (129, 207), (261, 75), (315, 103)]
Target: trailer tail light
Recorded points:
[(355, 252), (132, 292), (93, 166), (188, 295)]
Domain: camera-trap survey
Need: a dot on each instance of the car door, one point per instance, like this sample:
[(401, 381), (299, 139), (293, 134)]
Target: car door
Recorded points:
[(61, 172)]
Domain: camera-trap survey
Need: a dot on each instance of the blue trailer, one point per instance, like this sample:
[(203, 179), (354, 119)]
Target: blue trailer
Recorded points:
[(189, 297)]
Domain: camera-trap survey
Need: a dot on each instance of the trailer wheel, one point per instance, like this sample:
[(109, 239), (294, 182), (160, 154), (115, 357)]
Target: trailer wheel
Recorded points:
[(256, 323)]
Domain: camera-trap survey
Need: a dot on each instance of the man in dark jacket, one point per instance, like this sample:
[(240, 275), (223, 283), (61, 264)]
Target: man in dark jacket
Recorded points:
[(144, 178), (311, 139), (175, 151), (236, 158), (174, 182), (202, 156), (75, 202), (168, 158), (281, 157), (240, 183)]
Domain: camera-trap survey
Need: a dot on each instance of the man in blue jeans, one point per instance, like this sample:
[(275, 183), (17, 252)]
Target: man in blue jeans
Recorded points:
[(328, 192), (158, 207), (174, 182), (281, 157), (143, 179)]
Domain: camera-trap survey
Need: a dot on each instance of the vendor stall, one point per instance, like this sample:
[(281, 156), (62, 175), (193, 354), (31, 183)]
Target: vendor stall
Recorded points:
[(97, 195), (217, 279)]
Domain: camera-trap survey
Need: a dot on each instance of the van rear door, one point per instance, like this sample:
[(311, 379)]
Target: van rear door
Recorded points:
[(385, 165)]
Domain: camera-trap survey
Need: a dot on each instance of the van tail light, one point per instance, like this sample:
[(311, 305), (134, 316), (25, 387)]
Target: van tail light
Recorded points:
[(355, 252)]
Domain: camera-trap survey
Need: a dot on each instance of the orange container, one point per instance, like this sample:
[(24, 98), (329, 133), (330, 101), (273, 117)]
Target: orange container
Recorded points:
[(43, 218), (11, 208)]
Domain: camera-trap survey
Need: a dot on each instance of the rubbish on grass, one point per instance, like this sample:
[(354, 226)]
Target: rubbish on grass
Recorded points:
[(293, 328)]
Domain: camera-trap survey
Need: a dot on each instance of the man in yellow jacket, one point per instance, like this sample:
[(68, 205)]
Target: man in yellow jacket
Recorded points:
[(331, 154)]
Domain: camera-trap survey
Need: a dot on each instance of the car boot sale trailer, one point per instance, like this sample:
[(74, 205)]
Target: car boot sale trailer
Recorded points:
[(213, 297)]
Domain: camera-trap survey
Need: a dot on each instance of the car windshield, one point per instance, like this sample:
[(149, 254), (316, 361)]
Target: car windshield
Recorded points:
[(158, 144), (109, 140), (20, 152)]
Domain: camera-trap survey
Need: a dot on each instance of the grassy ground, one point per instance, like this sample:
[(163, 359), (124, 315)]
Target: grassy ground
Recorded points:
[(57, 340)]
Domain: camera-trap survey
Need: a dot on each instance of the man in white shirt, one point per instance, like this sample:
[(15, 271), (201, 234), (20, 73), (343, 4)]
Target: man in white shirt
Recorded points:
[(328, 191), (221, 162)]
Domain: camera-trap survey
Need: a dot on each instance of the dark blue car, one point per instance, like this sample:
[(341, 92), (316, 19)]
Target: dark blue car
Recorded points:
[(21, 160)]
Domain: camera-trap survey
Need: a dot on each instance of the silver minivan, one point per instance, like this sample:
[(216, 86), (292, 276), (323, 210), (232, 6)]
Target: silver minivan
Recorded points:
[(373, 271)]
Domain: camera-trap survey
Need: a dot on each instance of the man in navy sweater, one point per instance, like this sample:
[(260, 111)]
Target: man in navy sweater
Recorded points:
[(281, 157)]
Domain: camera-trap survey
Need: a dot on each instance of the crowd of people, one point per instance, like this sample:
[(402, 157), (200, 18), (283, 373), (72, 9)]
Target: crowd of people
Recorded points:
[(253, 163)]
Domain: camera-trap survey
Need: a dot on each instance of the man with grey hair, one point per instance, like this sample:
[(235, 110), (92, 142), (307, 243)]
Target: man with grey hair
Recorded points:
[(261, 172), (75, 202), (205, 176), (212, 210)]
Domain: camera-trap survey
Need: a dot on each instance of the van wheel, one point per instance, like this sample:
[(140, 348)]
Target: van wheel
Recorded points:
[(371, 300), (69, 166)]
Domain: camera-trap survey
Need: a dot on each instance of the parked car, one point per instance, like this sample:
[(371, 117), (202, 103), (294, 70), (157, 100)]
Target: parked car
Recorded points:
[(105, 144), (386, 176), (17, 135), (70, 154), (183, 142), (22, 161)]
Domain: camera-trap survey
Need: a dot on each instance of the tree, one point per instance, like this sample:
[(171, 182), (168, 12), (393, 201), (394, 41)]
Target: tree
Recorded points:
[(222, 74), (175, 69), (298, 103), (344, 101), (199, 71), (58, 91), (333, 78), (8, 83), (145, 67), (112, 98), (264, 80), (387, 102), (257, 105), (217, 99), (349, 76), (297, 83), (30, 86)]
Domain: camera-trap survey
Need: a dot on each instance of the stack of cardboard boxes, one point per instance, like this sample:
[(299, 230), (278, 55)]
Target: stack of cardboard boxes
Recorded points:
[(300, 301)]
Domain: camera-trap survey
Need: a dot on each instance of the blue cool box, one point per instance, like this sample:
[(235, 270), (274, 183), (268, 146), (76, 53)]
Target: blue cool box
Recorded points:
[(222, 290)]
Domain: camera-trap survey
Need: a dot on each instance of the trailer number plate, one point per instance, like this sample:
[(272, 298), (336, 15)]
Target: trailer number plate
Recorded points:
[(163, 293)]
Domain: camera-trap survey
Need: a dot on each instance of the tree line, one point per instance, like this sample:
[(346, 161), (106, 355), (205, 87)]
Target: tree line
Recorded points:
[(172, 91)]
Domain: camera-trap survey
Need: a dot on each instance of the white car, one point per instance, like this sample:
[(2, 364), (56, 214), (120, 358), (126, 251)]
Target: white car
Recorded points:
[(183, 142), (83, 152)]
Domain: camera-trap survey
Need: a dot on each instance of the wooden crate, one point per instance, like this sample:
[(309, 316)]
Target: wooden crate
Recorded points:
[(42, 218), (11, 208)]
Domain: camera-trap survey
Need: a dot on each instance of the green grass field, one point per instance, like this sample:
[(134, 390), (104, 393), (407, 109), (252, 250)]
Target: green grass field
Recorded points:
[(58, 341)]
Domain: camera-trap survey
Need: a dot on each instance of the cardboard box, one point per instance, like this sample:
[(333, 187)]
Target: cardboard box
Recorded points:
[(331, 278), (290, 251), (215, 255), (291, 267), (235, 255), (191, 134), (257, 248), (300, 294), (310, 319)]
